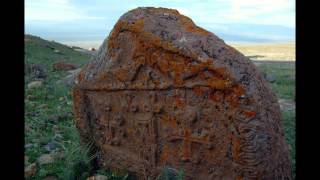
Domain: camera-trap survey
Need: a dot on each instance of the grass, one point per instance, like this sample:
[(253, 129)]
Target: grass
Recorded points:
[(52, 100), (284, 85)]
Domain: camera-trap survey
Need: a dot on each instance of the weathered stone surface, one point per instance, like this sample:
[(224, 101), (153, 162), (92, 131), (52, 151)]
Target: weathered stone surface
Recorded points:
[(163, 92)]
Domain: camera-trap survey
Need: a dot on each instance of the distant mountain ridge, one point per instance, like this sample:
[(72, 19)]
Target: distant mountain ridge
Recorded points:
[(235, 32)]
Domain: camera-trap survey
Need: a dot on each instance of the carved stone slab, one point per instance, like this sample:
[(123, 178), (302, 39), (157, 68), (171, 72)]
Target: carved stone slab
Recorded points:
[(163, 92)]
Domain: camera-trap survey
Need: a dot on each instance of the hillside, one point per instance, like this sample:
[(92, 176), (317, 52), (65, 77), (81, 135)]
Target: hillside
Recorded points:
[(52, 145)]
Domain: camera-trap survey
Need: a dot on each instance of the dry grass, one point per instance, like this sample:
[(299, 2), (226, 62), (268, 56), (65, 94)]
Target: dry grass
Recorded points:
[(281, 52)]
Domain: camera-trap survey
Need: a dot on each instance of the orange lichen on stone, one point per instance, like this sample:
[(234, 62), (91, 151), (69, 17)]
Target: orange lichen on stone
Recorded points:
[(249, 114), (188, 24), (217, 83), (236, 148), (238, 90), (169, 120), (179, 102), (216, 96), (164, 153), (121, 75), (186, 148)]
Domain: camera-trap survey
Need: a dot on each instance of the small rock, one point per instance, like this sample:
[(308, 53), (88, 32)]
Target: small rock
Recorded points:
[(286, 105), (36, 71), (27, 128), (27, 146), (50, 146), (69, 80), (30, 170), (269, 77), (31, 97), (76, 71), (50, 178), (45, 159), (50, 96), (98, 177), (43, 106), (50, 47), (63, 66), (61, 99), (55, 128), (34, 84), (60, 155), (26, 159), (53, 119), (56, 51), (61, 117), (57, 136)]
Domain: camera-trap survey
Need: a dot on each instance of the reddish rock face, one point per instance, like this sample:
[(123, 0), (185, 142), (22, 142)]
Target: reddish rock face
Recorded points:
[(165, 92)]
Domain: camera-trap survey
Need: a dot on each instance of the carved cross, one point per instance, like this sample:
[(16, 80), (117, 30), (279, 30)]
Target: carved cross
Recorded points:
[(187, 141), (186, 136)]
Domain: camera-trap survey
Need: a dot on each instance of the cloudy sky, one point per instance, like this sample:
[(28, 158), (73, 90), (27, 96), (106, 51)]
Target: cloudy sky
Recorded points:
[(233, 20)]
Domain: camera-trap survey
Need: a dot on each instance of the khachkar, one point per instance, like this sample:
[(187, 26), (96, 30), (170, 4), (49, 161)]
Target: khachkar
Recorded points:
[(164, 92)]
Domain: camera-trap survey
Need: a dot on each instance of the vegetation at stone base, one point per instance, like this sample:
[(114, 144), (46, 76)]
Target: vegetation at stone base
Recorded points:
[(49, 122)]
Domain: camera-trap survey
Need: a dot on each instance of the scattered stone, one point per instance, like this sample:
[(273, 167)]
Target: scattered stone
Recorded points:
[(32, 114), (50, 97), (51, 146), (36, 71), (30, 170), (27, 146), (45, 159), (287, 105), (63, 66), (57, 51), (60, 117), (98, 177), (55, 128), (43, 106), (34, 84), (85, 51), (50, 47), (269, 77), (27, 128), (75, 71), (69, 80), (61, 98), (57, 137), (31, 97), (172, 93), (60, 155), (26, 159)]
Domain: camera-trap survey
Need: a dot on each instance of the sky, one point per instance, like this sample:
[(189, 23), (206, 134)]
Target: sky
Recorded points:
[(87, 22)]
